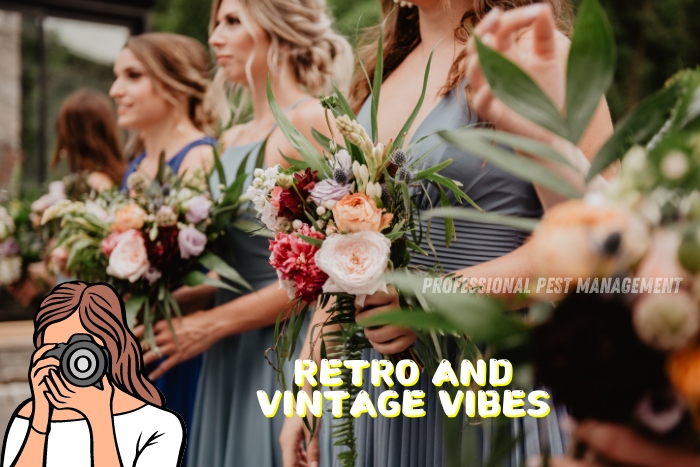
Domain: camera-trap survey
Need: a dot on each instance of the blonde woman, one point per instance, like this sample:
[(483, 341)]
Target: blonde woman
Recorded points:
[(161, 89), (292, 42)]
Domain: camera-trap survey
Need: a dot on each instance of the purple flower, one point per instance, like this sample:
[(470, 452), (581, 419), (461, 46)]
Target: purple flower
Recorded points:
[(192, 242), (329, 190), (152, 275), (197, 209), (9, 247)]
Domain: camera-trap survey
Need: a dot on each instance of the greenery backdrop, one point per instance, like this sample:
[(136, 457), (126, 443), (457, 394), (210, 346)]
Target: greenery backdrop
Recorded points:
[(655, 38)]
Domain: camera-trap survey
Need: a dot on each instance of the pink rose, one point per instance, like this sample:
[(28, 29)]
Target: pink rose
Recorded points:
[(359, 213), (110, 243), (275, 197), (197, 209), (129, 259), (192, 242)]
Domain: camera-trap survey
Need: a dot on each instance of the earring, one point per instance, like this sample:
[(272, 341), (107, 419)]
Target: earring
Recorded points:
[(403, 4)]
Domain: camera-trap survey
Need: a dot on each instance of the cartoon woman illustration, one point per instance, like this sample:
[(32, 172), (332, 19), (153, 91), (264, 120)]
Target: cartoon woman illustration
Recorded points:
[(91, 403)]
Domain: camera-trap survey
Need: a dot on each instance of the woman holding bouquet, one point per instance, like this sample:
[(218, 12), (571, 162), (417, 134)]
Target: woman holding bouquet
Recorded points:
[(161, 89), (457, 96), (292, 42)]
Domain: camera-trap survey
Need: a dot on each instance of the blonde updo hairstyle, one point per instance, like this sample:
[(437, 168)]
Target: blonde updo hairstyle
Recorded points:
[(300, 33), (180, 69)]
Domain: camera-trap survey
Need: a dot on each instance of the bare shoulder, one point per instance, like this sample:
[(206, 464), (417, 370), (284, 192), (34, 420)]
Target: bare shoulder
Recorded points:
[(310, 113)]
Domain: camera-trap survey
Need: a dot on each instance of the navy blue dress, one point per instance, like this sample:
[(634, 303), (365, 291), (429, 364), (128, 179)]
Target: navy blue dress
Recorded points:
[(179, 385)]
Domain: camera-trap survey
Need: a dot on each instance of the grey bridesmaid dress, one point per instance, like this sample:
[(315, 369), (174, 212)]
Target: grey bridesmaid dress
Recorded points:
[(229, 428), (417, 442)]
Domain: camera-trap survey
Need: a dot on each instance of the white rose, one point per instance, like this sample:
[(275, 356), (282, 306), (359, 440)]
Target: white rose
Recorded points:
[(666, 321), (96, 210), (355, 263), (129, 259)]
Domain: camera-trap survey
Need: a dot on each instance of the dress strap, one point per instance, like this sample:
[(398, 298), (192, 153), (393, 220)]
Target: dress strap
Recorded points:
[(175, 161), (291, 107)]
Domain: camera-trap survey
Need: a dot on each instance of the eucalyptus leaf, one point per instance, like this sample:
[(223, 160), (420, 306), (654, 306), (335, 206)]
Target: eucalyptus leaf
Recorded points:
[(510, 162), (518, 91), (473, 215), (194, 278), (303, 146), (638, 127), (132, 307), (591, 66), (212, 262)]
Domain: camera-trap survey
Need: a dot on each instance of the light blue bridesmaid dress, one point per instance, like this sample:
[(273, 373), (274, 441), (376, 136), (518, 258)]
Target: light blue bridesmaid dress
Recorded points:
[(229, 427), (417, 442)]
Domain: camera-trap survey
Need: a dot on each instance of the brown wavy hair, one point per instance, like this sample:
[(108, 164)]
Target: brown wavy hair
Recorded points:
[(102, 314), (180, 69), (86, 131), (402, 36)]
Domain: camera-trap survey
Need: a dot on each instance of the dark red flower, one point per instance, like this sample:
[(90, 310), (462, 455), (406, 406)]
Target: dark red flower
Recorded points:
[(164, 253), (292, 199)]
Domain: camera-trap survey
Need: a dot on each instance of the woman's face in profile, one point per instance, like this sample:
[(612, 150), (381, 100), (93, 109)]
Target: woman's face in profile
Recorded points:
[(237, 45), (139, 105), (61, 332)]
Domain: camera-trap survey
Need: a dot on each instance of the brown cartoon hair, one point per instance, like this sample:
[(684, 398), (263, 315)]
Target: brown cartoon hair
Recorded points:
[(86, 130), (102, 314), (402, 35)]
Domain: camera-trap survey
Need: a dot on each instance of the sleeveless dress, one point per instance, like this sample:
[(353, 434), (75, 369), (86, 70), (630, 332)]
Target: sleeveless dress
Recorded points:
[(417, 442), (179, 385), (229, 428)]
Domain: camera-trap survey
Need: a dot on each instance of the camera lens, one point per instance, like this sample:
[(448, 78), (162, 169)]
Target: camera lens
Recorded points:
[(83, 362)]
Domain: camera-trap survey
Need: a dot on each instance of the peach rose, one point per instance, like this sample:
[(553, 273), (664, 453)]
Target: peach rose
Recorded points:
[(570, 241), (129, 217), (358, 213)]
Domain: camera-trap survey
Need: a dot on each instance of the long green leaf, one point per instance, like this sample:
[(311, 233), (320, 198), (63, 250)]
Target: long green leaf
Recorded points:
[(210, 261), (473, 215), (398, 142), (638, 127), (527, 145), (199, 278), (510, 162), (298, 141), (321, 139), (590, 68), (427, 172), (317, 242), (132, 307), (519, 92), (377, 80)]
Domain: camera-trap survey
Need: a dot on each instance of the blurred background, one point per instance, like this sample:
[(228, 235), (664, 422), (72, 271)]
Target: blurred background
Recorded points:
[(49, 48)]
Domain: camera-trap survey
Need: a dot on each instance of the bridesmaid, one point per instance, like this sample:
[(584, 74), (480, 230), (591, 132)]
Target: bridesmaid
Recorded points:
[(87, 138), (160, 87), (292, 42), (527, 35)]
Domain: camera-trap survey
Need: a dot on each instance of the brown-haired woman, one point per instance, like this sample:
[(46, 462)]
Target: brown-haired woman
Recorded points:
[(120, 422), (161, 86), (530, 37), (87, 137)]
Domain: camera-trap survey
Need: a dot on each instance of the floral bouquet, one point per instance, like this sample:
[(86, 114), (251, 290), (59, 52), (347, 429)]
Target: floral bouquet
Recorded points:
[(160, 234), (20, 243), (342, 218)]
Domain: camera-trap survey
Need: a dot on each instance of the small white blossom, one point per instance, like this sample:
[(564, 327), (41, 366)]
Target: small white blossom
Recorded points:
[(674, 165)]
